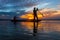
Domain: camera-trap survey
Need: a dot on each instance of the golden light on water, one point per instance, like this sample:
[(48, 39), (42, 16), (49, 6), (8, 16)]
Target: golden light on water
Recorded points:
[(42, 26), (30, 25), (31, 16)]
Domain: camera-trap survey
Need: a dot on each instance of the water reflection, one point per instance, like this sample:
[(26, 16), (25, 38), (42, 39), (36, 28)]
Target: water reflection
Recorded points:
[(35, 29), (29, 25), (21, 30), (44, 26)]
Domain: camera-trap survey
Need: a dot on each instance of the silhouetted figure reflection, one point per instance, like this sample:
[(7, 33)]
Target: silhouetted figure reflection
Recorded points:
[(35, 23), (35, 28)]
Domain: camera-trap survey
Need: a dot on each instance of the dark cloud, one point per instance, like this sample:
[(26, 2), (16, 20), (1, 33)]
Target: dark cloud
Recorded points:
[(15, 4)]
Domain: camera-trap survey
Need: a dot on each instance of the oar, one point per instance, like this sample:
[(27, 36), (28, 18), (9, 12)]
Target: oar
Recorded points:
[(41, 13)]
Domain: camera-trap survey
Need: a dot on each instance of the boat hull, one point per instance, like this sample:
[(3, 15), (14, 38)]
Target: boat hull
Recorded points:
[(25, 20)]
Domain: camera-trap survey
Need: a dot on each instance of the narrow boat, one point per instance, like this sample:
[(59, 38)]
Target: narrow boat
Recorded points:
[(25, 20)]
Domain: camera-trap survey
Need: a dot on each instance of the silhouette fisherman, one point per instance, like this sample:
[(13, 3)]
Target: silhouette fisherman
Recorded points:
[(35, 13)]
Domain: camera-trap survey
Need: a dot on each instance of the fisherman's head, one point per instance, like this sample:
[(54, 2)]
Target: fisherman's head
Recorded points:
[(35, 8)]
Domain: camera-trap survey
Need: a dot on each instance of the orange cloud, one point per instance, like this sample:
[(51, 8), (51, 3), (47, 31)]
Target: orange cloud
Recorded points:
[(29, 15), (47, 12)]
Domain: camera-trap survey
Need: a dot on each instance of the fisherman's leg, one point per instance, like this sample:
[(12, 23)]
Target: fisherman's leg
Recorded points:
[(37, 17), (34, 17)]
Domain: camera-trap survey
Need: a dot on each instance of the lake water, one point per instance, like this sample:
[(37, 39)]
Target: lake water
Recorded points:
[(46, 30)]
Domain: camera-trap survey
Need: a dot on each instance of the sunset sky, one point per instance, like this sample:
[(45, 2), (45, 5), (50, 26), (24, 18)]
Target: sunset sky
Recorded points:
[(47, 6)]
